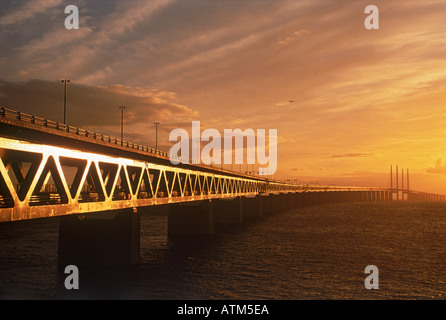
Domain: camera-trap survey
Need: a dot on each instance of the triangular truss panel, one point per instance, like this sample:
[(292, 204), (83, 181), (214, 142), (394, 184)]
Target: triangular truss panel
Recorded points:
[(203, 184), (224, 186), (6, 199), (109, 173), (195, 185), (163, 190), (184, 179), (92, 190), (145, 189), (176, 189), (22, 168), (134, 174), (238, 186), (217, 185), (245, 187), (73, 171), (122, 188), (210, 183), (155, 178), (50, 187)]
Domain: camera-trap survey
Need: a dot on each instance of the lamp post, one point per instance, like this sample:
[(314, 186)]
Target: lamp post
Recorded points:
[(156, 123), (65, 101), (122, 124)]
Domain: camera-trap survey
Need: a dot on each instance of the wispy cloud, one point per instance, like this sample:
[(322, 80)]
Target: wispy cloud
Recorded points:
[(439, 168), (379, 95), (351, 155), (294, 36), (28, 10), (96, 108)]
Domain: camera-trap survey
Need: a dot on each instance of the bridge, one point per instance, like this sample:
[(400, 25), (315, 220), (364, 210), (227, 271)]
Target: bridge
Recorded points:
[(98, 185)]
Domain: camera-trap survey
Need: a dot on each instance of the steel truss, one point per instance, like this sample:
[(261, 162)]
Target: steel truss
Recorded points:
[(41, 181)]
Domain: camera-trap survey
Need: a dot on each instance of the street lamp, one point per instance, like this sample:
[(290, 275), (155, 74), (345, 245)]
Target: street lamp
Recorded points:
[(122, 124), (65, 101), (156, 123)]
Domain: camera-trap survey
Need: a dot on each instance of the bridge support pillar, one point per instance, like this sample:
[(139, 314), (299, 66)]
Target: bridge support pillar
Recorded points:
[(334, 196), (313, 198), (268, 204), (330, 197), (191, 218), (357, 196), (278, 203), (307, 198), (363, 196), (300, 199), (296, 199), (289, 200), (283, 198), (325, 197), (252, 207), (345, 196), (303, 199), (228, 210), (110, 238)]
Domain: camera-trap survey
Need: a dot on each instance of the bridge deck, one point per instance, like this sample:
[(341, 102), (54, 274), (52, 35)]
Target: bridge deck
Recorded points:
[(50, 169)]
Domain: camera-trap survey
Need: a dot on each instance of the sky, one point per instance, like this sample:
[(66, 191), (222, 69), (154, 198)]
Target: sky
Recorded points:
[(347, 102)]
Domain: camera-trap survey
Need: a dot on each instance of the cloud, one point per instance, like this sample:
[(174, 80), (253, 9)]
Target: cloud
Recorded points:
[(96, 107), (126, 17), (351, 155), (104, 40), (439, 168), (56, 40), (29, 10), (294, 36), (238, 62)]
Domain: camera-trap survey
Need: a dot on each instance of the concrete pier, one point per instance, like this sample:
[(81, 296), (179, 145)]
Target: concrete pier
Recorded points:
[(228, 211), (100, 239), (191, 218), (252, 207), (112, 238), (278, 203), (288, 201), (268, 204)]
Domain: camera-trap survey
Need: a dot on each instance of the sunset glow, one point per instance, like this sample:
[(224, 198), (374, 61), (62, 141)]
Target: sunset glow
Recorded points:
[(347, 102)]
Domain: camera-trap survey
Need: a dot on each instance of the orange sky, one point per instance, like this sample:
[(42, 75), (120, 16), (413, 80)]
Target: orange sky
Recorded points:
[(362, 99)]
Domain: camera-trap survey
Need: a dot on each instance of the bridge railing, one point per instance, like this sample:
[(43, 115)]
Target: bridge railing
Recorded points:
[(21, 116), (17, 115)]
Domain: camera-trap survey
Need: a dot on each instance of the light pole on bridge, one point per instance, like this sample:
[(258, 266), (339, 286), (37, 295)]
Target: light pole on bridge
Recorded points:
[(122, 124), (65, 101), (156, 123)]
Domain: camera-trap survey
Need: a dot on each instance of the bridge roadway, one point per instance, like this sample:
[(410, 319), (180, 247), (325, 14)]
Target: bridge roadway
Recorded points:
[(97, 183)]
